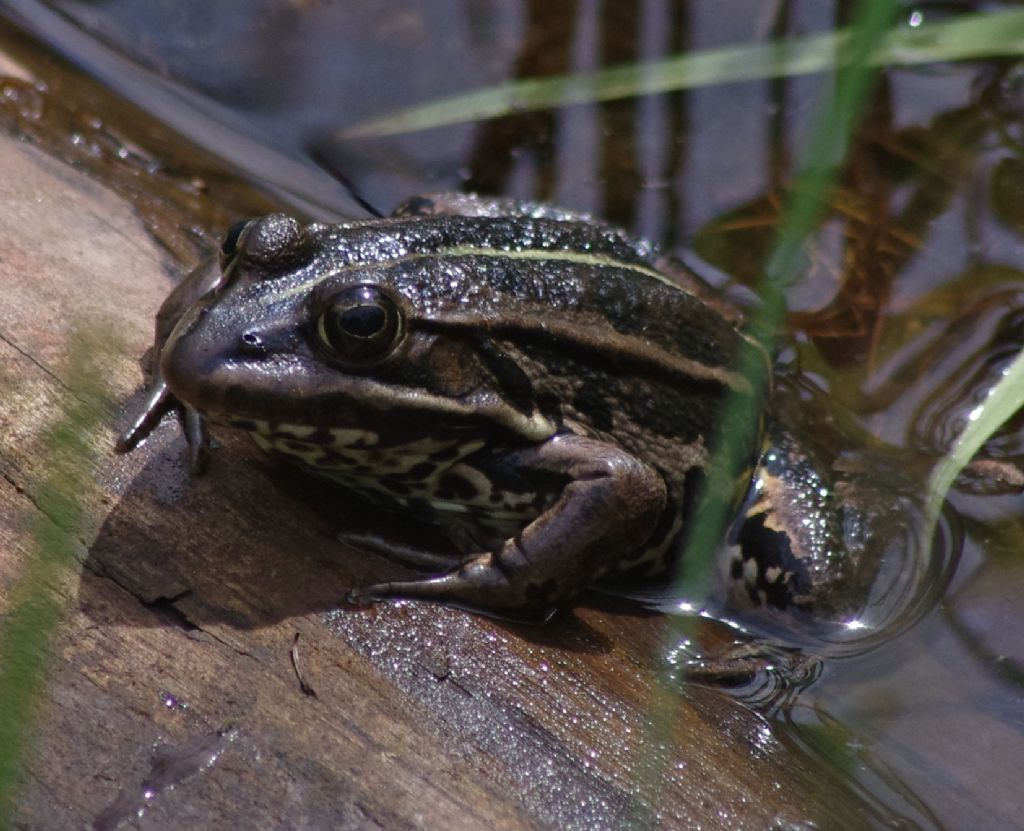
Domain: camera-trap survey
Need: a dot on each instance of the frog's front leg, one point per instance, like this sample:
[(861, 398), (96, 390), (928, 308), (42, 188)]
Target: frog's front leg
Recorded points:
[(159, 402), (185, 303), (604, 515)]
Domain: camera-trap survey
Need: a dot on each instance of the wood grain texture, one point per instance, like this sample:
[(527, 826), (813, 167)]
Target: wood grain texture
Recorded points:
[(184, 597)]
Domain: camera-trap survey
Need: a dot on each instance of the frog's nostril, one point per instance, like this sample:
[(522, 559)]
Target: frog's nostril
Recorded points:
[(252, 344)]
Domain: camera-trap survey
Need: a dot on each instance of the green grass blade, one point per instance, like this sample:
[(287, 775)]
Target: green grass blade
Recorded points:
[(1002, 402), (35, 602), (830, 138), (963, 38)]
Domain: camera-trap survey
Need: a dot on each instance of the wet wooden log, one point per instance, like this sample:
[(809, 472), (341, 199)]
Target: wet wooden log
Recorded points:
[(172, 689)]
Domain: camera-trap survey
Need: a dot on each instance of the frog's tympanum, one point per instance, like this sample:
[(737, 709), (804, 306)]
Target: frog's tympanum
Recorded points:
[(541, 386)]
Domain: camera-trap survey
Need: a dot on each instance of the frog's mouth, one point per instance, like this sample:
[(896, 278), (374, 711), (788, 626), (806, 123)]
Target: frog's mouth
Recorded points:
[(296, 389)]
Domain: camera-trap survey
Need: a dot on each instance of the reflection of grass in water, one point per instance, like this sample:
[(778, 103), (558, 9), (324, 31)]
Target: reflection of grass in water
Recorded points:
[(985, 34), (35, 603)]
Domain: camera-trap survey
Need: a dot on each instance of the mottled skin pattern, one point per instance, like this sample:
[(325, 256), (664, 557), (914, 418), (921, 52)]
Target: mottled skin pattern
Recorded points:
[(529, 379)]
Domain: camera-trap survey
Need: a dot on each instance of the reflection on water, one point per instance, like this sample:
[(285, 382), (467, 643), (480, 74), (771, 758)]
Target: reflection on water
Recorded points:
[(910, 307)]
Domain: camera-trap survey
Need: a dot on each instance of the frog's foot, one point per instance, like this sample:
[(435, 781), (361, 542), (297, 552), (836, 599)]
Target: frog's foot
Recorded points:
[(482, 584), (610, 505)]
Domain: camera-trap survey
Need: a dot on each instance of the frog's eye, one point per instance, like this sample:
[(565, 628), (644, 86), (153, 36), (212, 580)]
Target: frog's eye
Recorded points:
[(360, 324), (229, 247)]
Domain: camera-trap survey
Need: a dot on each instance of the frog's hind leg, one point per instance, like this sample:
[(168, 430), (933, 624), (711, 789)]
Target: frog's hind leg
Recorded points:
[(789, 547), (604, 515)]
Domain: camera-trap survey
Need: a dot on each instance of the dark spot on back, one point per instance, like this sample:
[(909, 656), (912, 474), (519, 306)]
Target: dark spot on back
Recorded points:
[(445, 454), (322, 436), (422, 470), (456, 488), (515, 383), (332, 458), (592, 402)]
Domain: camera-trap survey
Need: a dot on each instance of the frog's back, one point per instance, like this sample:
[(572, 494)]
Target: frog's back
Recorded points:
[(575, 318)]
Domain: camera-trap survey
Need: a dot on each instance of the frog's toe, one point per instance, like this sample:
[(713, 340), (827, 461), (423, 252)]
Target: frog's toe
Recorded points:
[(360, 597), (157, 404), (198, 438), (480, 586)]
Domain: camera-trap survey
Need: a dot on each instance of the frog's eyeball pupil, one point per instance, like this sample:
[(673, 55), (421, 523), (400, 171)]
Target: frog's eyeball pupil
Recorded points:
[(359, 324), (362, 321)]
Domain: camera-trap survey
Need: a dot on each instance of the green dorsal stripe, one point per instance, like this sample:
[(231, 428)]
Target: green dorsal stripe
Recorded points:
[(578, 257), (535, 254)]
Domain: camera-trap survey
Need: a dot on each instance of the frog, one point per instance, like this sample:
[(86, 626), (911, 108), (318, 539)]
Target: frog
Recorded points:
[(541, 386)]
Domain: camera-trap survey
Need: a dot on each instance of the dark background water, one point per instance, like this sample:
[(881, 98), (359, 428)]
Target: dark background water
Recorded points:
[(908, 311)]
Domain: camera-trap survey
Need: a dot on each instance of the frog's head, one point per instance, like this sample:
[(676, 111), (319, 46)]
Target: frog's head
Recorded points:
[(338, 328)]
